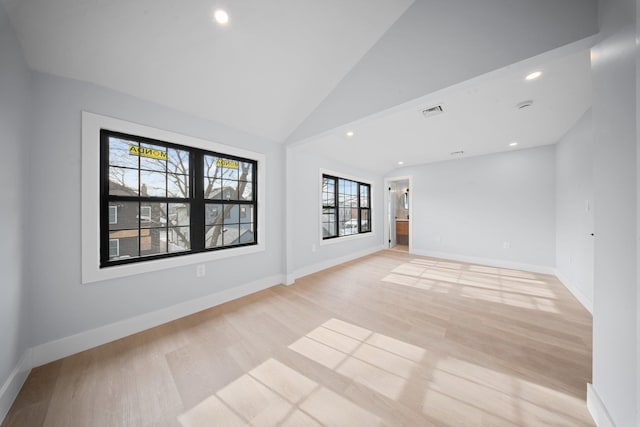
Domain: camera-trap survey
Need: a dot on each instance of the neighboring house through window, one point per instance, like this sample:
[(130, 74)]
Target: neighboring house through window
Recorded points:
[(160, 199)]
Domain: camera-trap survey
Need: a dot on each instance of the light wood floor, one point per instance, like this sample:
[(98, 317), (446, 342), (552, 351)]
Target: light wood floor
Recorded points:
[(390, 339)]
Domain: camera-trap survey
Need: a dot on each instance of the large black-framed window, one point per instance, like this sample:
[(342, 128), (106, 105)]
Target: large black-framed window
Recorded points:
[(159, 199), (346, 207)]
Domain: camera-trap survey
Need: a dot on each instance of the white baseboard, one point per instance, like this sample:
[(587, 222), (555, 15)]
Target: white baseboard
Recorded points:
[(513, 265), (597, 409), (14, 383), (581, 297), (54, 350), (314, 268)]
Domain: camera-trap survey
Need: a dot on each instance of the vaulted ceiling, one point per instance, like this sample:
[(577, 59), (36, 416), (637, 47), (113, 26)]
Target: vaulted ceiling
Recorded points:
[(293, 70)]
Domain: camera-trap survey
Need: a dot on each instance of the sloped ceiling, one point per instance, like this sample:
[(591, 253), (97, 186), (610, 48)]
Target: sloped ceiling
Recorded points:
[(263, 73), (288, 70)]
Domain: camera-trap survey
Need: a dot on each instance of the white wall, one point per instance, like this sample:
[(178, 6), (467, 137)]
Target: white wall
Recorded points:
[(615, 215), (304, 192), (14, 107), (468, 208), (61, 305), (574, 209)]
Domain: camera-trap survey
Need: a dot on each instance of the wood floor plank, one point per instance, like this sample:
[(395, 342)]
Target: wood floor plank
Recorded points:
[(388, 339)]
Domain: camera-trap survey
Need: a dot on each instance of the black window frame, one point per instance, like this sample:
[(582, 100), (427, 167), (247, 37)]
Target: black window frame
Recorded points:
[(336, 206), (196, 200)]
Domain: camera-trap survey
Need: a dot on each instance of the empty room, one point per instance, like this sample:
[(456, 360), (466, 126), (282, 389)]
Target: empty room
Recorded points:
[(320, 213)]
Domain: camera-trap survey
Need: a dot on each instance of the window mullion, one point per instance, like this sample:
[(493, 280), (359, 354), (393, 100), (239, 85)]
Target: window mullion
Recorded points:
[(197, 202)]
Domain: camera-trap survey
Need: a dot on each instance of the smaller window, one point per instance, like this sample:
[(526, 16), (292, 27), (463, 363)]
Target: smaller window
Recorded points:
[(145, 213), (114, 248), (346, 208), (113, 214)]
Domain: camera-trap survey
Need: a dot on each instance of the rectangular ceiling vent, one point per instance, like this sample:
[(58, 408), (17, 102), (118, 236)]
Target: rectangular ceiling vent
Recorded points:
[(432, 111)]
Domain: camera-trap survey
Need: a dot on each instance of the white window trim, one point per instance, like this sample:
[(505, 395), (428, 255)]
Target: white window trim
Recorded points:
[(343, 239), (91, 271), (115, 214)]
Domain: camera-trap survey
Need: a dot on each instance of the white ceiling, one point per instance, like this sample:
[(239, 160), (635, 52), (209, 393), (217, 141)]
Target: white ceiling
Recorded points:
[(264, 73), (480, 117), (298, 70)]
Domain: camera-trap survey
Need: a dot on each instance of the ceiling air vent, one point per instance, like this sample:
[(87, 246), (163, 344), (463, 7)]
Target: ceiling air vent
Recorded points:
[(432, 111), (524, 104)]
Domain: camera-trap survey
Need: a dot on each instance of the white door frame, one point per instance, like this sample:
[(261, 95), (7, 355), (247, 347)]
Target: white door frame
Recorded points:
[(388, 221)]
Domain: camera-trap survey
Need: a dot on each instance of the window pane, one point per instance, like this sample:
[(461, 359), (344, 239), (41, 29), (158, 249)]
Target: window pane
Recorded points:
[(153, 184), (347, 224), (178, 161), (231, 214), (119, 153), (127, 215), (246, 214), (179, 214), (247, 233), (328, 192), (230, 169), (211, 168), (177, 185), (364, 196), (231, 234), (328, 222), (153, 215), (127, 244), (123, 182), (247, 190), (246, 171), (153, 157), (179, 239), (213, 236), (212, 188), (213, 214), (364, 220), (153, 241), (229, 190)]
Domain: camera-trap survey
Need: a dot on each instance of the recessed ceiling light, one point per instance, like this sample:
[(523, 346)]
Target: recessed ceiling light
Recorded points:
[(350, 134), (533, 75), (513, 144), (221, 17), (401, 163)]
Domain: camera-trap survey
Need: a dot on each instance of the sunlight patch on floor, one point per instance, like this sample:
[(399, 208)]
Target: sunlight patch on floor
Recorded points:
[(489, 284), (381, 363), (275, 394)]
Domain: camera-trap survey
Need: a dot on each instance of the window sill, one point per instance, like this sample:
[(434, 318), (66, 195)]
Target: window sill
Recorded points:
[(344, 239)]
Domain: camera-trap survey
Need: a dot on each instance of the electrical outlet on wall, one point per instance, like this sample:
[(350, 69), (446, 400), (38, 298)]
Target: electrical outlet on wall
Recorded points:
[(200, 270), (506, 245), (314, 247)]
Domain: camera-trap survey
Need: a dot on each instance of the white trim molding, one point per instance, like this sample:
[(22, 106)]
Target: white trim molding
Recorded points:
[(513, 265), (582, 298), (54, 350), (596, 408), (14, 383), (314, 268)]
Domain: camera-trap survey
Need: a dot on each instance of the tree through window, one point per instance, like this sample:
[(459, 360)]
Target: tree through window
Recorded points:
[(172, 199)]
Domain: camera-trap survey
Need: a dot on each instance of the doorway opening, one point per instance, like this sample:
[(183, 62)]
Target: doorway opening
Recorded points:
[(398, 227)]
